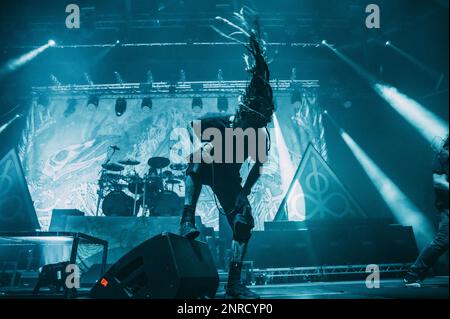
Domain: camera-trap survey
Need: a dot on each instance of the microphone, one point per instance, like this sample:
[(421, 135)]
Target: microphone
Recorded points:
[(115, 148)]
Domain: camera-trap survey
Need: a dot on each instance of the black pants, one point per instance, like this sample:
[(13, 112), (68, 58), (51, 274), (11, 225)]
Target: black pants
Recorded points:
[(225, 186), (430, 255)]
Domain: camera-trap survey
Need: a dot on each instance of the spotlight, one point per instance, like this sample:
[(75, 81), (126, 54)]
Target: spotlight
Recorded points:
[(400, 205), (220, 75), (17, 62), (291, 188), (88, 78), (71, 107), (222, 104), (43, 100), (119, 78), (93, 100), (55, 80), (432, 74), (121, 106), (182, 76), (147, 103), (296, 96), (172, 88), (324, 42), (197, 104), (293, 74), (428, 124), (51, 43), (149, 77), (118, 42)]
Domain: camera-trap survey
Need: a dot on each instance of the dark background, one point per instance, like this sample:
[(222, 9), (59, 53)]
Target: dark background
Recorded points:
[(417, 27)]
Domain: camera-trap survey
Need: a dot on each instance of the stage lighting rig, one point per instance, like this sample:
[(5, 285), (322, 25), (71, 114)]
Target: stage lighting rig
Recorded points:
[(119, 78), (147, 103), (197, 104), (71, 107), (293, 74), (88, 78), (172, 88), (55, 80), (182, 76), (296, 96), (149, 77), (220, 75), (222, 104), (121, 106), (43, 100), (93, 100)]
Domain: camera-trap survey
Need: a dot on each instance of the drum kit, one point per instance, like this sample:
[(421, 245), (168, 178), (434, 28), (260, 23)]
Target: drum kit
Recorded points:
[(122, 192)]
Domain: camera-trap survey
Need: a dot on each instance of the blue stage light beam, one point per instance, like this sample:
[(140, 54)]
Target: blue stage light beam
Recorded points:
[(429, 125), (295, 197), (429, 71), (14, 64), (400, 205), (358, 69)]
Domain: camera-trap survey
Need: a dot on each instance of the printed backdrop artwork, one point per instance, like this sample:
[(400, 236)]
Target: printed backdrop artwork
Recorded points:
[(62, 150)]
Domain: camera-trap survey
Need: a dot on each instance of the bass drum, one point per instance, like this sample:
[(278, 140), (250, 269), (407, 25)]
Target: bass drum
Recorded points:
[(167, 203), (117, 203)]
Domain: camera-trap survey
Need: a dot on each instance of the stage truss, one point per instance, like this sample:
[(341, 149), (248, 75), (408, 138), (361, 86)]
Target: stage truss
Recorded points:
[(175, 89), (271, 276)]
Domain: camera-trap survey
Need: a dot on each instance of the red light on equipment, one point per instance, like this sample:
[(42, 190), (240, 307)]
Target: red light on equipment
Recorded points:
[(104, 282)]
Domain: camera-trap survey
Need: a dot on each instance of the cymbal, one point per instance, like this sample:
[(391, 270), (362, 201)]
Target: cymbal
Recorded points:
[(167, 174), (129, 162), (173, 181), (113, 167), (158, 162), (178, 167)]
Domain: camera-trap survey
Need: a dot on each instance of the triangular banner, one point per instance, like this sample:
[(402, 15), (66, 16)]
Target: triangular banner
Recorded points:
[(16, 206), (316, 189)]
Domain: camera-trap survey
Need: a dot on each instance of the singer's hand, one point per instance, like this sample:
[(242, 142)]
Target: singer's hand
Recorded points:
[(206, 153)]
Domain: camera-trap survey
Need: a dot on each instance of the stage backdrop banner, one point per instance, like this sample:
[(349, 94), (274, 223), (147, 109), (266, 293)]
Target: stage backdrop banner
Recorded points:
[(64, 145)]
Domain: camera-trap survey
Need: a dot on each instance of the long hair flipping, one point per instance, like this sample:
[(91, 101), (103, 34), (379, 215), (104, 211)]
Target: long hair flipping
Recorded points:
[(257, 101)]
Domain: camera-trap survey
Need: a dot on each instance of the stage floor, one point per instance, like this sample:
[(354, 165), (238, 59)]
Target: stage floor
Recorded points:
[(433, 288)]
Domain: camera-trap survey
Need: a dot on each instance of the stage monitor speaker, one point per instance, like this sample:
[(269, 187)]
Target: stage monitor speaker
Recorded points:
[(16, 207), (166, 266)]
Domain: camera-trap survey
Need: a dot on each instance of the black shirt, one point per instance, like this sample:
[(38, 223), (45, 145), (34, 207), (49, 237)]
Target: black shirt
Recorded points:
[(249, 147), (440, 167)]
